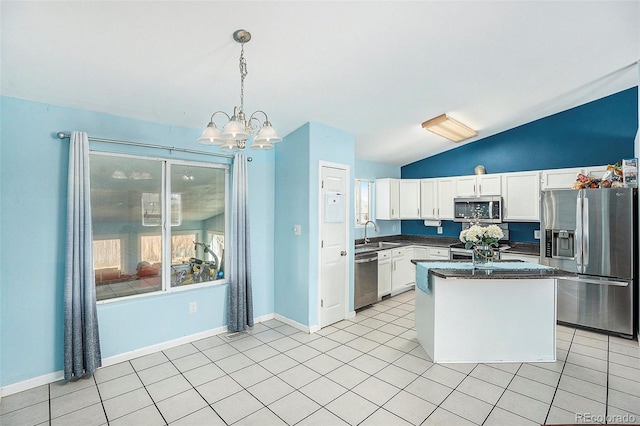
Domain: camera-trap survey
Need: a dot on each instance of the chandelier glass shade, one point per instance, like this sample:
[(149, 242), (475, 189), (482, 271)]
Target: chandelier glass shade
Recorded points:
[(238, 130)]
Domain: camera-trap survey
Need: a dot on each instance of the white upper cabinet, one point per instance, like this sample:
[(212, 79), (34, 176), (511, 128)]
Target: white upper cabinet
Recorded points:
[(388, 198), (565, 178), (429, 198), (410, 199), (521, 196), (446, 194), (471, 186), (466, 186), (559, 178), (436, 198)]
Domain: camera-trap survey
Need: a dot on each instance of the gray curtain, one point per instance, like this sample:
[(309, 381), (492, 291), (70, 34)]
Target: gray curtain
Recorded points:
[(81, 341), (240, 314)]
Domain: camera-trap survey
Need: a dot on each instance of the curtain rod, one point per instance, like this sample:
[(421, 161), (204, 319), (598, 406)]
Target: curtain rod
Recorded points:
[(63, 135)]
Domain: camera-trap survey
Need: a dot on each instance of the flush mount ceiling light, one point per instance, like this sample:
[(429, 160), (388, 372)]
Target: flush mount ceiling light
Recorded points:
[(238, 129), (449, 128)]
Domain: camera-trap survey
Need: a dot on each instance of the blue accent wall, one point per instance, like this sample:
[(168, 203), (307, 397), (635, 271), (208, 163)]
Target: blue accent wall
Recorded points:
[(33, 167), (597, 133)]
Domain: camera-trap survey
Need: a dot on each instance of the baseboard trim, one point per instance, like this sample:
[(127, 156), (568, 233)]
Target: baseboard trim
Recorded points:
[(136, 353), (31, 383), (59, 375), (294, 324)]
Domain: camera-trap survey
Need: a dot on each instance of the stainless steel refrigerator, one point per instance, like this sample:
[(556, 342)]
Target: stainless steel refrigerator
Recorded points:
[(593, 232)]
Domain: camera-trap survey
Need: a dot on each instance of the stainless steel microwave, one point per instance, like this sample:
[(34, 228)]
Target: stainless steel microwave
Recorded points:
[(487, 209)]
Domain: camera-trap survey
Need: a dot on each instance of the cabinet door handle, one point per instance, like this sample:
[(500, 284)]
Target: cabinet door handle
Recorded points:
[(479, 189), (434, 211), (474, 189)]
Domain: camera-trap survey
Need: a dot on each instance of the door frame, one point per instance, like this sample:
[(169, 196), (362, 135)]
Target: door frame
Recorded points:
[(349, 226)]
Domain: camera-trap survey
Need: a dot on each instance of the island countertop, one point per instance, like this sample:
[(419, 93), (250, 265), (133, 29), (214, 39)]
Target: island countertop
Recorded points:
[(503, 269)]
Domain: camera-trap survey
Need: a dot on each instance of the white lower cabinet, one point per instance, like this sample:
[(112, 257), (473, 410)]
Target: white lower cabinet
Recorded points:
[(403, 276), (396, 272), (516, 256), (437, 253), (384, 273)]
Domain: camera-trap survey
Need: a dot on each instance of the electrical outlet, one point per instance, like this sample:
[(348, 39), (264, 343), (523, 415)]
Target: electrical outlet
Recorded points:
[(394, 228), (536, 234), (193, 307), (439, 230)]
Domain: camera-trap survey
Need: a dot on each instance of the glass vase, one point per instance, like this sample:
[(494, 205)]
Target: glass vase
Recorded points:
[(483, 256)]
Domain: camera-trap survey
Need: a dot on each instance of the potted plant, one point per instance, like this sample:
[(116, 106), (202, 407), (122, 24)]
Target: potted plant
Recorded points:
[(481, 239)]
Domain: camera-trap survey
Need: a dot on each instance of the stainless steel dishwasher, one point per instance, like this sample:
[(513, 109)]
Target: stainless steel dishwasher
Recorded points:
[(365, 290)]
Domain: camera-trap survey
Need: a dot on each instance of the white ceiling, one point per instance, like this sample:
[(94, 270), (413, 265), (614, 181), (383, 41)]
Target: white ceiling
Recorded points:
[(376, 69)]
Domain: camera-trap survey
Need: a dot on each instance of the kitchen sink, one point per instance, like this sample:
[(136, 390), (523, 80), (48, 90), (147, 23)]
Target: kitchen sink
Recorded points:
[(361, 248)]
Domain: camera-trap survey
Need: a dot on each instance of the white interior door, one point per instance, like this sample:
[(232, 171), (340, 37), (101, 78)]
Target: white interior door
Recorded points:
[(334, 222)]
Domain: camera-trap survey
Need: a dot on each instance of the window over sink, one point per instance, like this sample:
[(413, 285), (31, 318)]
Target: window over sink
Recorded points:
[(363, 201)]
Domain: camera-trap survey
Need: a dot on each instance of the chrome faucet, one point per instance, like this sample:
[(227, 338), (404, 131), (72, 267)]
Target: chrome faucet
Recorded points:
[(375, 228)]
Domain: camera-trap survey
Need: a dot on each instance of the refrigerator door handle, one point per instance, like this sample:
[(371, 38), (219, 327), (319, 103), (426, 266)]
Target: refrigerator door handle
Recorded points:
[(585, 234), (590, 280), (577, 243)]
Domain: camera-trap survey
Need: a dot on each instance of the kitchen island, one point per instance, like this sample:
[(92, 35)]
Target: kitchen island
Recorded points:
[(503, 314)]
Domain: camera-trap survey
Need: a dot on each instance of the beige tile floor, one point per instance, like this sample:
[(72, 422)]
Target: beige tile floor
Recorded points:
[(368, 370)]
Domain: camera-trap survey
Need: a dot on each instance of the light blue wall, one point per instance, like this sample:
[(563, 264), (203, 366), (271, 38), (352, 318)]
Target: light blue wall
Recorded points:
[(291, 291), (371, 170), (33, 166), (336, 146), (297, 198)]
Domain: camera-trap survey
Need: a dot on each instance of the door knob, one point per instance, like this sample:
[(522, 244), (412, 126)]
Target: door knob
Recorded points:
[(343, 253)]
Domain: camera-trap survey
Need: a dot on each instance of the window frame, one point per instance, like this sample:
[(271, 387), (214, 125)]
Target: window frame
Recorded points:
[(357, 200), (166, 228)]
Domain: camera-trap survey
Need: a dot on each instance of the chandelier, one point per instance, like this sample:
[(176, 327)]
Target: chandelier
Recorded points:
[(238, 129)]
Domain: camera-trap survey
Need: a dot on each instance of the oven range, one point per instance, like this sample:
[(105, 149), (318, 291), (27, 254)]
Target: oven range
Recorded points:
[(458, 252)]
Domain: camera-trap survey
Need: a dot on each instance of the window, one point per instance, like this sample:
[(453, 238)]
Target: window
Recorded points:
[(363, 201), (158, 225)]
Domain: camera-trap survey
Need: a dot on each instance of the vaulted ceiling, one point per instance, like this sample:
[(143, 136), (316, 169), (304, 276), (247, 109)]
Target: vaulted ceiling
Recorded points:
[(377, 69)]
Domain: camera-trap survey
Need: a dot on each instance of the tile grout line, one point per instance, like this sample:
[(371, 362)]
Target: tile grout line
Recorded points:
[(560, 378)]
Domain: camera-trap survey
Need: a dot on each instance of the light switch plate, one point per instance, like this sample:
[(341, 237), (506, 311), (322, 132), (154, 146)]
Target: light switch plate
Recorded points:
[(439, 229)]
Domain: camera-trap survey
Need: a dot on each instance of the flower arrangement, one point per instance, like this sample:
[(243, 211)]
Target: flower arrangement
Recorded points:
[(477, 235)]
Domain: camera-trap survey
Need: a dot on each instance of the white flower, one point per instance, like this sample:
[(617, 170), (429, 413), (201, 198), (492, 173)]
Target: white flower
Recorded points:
[(480, 235)]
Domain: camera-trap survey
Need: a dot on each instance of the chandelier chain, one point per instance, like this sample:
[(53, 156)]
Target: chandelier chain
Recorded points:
[(239, 129), (243, 74)]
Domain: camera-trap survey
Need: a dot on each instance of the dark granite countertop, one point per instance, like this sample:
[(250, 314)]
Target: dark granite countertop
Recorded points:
[(532, 249), (501, 271)]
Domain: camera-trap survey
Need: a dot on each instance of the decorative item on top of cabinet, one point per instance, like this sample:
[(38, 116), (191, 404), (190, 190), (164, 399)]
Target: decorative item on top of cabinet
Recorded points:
[(565, 178), (388, 199)]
